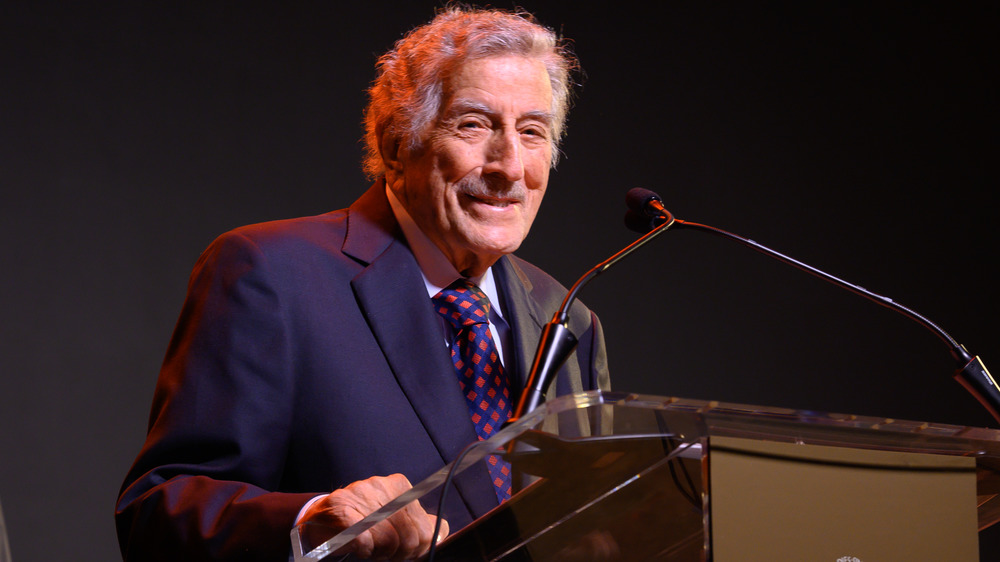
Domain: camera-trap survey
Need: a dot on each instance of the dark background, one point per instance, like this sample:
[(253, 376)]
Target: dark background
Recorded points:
[(859, 139)]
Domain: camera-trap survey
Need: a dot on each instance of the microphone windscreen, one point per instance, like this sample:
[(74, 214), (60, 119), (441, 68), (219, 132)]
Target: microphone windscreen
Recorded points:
[(638, 197)]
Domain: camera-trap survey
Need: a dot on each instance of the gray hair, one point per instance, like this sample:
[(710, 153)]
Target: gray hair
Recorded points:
[(405, 98)]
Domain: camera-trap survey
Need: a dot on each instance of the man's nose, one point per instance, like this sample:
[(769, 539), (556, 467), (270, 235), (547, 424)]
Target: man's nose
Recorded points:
[(504, 156)]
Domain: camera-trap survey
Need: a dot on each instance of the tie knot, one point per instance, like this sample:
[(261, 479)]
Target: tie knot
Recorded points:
[(462, 304)]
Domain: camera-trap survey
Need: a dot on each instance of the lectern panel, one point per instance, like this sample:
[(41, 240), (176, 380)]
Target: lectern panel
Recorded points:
[(617, 476)]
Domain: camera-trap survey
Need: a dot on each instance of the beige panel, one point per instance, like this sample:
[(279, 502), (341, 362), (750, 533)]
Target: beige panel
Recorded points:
[(793, 502)]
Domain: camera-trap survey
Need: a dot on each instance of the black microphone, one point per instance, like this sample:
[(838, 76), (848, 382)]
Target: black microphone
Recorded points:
[(645, 208), (557, 341), (642, 200)]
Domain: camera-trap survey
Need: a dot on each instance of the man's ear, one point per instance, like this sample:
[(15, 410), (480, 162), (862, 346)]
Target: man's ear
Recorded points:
[(390, 148)]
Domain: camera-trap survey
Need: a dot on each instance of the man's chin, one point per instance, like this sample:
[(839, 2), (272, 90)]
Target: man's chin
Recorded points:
[(483, 250)]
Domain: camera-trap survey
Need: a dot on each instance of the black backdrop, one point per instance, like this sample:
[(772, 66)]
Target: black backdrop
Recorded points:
[(853, 137)]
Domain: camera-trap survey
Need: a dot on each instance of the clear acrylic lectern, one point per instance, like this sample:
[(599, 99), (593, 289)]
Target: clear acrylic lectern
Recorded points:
[(615, 476)]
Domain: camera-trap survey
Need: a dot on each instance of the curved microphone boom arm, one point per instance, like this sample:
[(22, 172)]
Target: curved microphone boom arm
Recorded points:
[(971, 374), (557, 341)]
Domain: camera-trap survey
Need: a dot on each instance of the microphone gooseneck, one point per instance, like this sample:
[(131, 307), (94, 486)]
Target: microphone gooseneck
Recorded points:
[(971, 374), (557, 341)]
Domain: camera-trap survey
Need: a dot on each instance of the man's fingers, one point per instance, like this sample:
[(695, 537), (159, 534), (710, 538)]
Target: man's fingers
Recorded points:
[(443, 532), (411, 529), (405, 534)]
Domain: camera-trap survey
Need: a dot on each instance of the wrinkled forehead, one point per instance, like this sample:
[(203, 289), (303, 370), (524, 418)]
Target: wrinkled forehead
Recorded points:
[(498, 87)]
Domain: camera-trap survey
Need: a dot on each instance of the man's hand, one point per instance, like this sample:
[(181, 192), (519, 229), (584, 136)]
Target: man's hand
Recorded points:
[(404, 535)]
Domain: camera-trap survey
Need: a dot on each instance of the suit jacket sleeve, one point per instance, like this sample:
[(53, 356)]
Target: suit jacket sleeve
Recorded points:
[(201, 488)]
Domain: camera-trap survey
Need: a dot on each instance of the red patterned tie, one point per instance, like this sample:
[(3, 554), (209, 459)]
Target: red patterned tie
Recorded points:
[(477, 363)]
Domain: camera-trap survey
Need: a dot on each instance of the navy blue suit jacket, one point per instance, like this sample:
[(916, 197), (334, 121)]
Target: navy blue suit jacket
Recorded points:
[(308, 356)]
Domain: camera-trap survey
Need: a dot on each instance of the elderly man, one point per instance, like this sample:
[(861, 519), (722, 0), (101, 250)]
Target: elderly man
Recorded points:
[(320, 353)]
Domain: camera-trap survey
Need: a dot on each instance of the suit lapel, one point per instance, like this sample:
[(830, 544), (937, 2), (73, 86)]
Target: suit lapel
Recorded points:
[(523, 315), (527, 318), (391, 295)]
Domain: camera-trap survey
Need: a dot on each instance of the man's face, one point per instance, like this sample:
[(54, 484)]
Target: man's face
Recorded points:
[(475, 186)]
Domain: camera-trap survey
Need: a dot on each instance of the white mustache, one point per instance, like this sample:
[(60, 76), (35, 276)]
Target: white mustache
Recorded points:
[(481, 188)]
